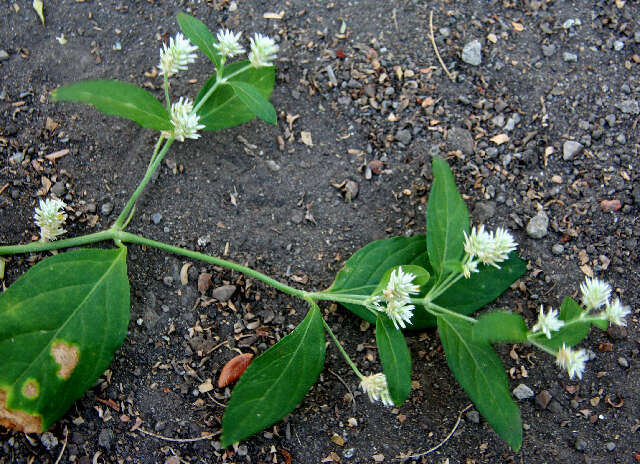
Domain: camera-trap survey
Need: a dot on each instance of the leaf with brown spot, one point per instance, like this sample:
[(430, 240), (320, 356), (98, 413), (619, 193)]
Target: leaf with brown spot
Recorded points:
[(234, 369)]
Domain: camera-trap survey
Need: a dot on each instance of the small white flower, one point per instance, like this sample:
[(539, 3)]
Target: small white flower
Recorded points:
[(177, 55), (263, 51), (185, 122), (376, 387), (547, 323), (595, 293), (469, 268), (228, 43), (490, 248), (616, 312), (399, 311), (571, 360), (400, 285), (50, 219)]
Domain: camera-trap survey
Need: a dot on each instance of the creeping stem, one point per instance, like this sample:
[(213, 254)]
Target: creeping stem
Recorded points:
[(342, 351)]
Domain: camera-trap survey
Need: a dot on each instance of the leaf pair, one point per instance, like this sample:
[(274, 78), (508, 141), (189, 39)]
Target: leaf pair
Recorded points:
[(239, 100)]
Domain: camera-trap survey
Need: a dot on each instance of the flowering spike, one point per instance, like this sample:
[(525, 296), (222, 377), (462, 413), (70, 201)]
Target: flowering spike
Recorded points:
[(50, 219), (616, 312), (176, 56), (469, 268), (595, 293), (185, 122), (263, 51), (228, 43), (396, 298), (490, 248), (571, 360), (547, 323), (376, 387)]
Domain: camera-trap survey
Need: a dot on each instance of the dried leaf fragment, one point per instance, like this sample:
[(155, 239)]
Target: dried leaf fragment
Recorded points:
[(305, 137), (18, 420), (234, 369), (38, 5), (184, 273), (500, 139)]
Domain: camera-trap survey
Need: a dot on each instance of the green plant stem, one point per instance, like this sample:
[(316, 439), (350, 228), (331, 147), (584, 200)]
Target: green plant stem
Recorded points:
[(166, 93), (438, 290), (542, 347), (344, 353), (143, 183), (155, 150), (133, 238), (219, 81), (58, 244), (436, 309)]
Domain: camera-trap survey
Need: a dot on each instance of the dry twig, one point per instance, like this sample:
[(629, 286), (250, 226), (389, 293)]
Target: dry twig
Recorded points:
[(345, 386), (178, 440), (435, 48), (64, 445)]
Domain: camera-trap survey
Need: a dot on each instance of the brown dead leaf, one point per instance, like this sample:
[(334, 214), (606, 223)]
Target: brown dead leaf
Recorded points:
[(234, 369), (204, 282), (50, 125)]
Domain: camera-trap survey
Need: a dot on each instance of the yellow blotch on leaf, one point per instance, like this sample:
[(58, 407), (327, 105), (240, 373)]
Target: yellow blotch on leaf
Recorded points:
[(66, 356)]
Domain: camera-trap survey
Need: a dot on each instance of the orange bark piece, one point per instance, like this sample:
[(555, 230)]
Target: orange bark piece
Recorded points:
[(234, 369)]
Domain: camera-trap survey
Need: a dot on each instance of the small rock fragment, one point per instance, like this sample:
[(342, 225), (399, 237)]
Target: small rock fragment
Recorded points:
[(569, 57), (581, 444), (629, 107), (623, 362), (610, 446), (570, 149), (474, 416), (403, 136), (460, 139), (538, 225), (472, 53), (106, 208), (4, 55), (273, 166), (523, 392), (156, 218), (105, 439), (543, 398), (223, 293), (48, 440), (557, 249)]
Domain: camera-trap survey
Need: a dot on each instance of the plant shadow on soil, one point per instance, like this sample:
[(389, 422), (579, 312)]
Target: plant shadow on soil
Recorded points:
[(272, 204)]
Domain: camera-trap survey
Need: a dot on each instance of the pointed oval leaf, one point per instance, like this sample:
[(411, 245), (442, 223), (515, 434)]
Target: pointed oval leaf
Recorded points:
[(118, 99), (60, 324), (276, 381), (395, 359), (480, 373), (224, 109), (253, 99), (200, 35), (500, 327), (447, 218)]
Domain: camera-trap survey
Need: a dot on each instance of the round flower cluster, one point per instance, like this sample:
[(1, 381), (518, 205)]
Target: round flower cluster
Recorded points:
[(395, 300), (50, 219), (486, 247)]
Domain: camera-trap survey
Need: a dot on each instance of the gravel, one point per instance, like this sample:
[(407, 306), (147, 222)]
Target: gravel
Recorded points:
[(570, 149), (472, 53), (523, 392), (538, 225)]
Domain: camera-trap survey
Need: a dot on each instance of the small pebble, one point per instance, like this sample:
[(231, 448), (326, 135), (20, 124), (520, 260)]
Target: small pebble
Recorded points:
[(349, 452), (403, 136), (523, 392), (610, 446), (224, 292), (629, 107), (548, 50), (58, 189), (538, 225), (543, 398), (273, 166), (474, 416), (570, 149), (623, 362), (156, 218), (618, 45), (581, 444), (107, 208), (557, 249), (569, 57), (472, 53), (243, 450), (4, 55), (48, 440)]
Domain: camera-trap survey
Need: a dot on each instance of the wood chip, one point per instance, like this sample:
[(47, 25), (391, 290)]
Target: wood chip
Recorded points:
[(57, 154), (273, 15)]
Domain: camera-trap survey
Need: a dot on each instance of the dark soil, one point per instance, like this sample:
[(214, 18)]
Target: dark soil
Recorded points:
[(273, 204)]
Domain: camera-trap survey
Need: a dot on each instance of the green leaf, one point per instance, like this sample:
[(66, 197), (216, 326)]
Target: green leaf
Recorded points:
[(447, 218), (481, 374), (224, 109), (395, 358), (468, 295), (253, 99), (570, 334), (275, 382), (200, 35), (500, 327), (363, 271), (118, 99), (60, 324)]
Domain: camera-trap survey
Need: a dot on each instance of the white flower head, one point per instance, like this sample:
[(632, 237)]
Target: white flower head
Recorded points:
[(50, 219), (263, 51), (595, 293), (184, 120), (376, 387), (616, 312), (177, 55), (547, 323), (400, 312), (400, 285), (571, 360), (469, 268), (228, 43), (490, 248)]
